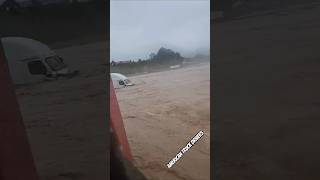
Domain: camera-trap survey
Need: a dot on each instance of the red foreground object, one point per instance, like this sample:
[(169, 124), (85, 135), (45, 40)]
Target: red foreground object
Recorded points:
[(16, 161), (117, 126)]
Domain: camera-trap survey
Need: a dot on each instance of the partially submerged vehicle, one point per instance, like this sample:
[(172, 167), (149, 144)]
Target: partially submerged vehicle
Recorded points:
[(120, 81), (175, 66), (32, 61)]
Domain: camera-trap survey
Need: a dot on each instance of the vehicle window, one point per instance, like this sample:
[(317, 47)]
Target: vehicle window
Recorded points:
[(55, 63), (37, 67), (127, 81), (60, 59)]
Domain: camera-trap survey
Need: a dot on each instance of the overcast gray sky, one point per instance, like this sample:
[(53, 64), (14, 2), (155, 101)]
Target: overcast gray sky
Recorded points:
[(140, 27)]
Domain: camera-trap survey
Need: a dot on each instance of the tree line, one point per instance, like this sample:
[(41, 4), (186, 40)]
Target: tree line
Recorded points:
[(163, 59), (164, 56)]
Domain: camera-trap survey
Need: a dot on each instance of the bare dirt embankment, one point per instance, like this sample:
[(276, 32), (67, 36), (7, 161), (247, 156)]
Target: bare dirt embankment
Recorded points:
[(162, 112)]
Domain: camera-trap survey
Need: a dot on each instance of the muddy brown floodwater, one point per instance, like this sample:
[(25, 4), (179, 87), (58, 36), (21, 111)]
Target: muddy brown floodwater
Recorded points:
[(65, 119), (162, 112)]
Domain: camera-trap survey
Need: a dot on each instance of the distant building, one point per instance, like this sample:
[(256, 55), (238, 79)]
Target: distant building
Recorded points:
[(125, 61)]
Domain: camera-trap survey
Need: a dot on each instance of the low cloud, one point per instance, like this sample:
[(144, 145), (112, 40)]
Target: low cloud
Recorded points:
[(140, 27)]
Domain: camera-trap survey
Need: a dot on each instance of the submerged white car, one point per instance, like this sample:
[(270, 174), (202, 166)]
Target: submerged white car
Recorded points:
[(31, 61), (120, 81)]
